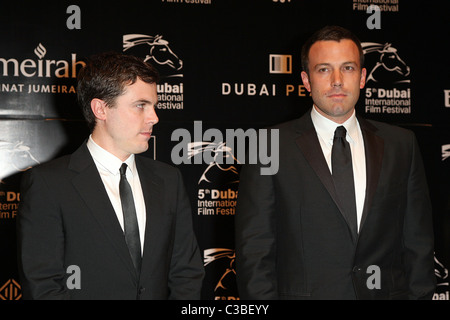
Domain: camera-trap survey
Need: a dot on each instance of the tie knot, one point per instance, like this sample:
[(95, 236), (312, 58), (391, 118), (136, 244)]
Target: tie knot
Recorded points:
[(340, 132), (123, 169)]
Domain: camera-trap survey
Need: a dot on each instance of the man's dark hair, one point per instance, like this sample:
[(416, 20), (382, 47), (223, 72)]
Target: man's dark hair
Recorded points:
[(105, 76), (330, 33)]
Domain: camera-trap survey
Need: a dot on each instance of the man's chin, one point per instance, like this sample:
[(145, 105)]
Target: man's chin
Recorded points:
[(142, 148)]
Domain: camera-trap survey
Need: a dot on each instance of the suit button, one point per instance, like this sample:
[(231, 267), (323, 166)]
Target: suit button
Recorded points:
[(140, 292), (356, 269)]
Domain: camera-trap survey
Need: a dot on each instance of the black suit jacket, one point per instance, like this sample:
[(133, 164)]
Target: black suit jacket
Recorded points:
[(66, 218), (293, 242)]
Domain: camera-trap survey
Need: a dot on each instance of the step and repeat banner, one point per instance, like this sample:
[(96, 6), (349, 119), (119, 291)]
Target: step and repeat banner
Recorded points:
[(229, 68)]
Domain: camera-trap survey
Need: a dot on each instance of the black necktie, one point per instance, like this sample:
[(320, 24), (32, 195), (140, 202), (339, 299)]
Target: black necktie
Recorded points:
[(131, 228), (341, 164)]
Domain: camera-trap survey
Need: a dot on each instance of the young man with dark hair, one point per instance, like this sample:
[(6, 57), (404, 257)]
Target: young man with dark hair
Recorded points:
[(122, 221)]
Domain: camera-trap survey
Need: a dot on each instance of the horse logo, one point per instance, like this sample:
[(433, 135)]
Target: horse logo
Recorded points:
[(445, 151), (441, 273), (389, 66), (442, 281), (219, 167), (154, 48), (226, 282), (16, 157)]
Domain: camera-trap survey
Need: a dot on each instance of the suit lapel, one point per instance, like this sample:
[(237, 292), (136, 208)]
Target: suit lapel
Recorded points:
[(308, 143), (90, 187), (152, 186), (374, 148)]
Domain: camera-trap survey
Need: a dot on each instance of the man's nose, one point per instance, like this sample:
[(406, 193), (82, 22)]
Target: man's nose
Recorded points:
[(151, 116), (336, 79)]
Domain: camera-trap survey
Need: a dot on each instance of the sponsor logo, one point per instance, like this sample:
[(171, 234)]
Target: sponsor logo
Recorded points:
[(11, 290), (41, 67), (278, 65)]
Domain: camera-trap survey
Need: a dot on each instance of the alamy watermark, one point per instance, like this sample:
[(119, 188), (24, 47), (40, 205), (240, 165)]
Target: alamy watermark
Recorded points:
[(235, 147), (74, 279), (374, 280)]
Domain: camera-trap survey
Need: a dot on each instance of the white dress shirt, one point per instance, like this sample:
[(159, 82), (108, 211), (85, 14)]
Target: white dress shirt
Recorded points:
[(325, 131), (108, 166)]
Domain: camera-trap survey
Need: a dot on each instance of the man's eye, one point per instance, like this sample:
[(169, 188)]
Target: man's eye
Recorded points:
[(140, 106)]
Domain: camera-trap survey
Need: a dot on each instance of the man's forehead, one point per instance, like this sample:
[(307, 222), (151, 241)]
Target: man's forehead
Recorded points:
[(327, 51), (343, 43)]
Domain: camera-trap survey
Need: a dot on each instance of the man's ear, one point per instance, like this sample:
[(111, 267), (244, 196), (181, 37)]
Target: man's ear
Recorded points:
[(305, 80), (363, 78), (98, 107)]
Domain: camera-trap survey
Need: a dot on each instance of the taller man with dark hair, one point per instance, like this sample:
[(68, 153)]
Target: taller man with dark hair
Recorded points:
[(121, 221), (348, 214)]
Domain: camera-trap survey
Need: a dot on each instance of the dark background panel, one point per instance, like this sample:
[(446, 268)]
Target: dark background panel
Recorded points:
[(225, 81)]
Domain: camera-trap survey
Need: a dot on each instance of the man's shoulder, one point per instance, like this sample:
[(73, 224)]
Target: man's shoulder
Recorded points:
[(287, 125), (154, 163), (156, 166), (54, 172), (390, 130), (53, 165)]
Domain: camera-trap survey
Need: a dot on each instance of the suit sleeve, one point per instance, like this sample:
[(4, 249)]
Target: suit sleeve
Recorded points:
[(418, 232), (186, 269), (40, 240), (255, 235)]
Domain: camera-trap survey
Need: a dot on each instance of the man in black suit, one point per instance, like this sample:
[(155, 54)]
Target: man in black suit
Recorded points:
[(297, 236), (124, 230)]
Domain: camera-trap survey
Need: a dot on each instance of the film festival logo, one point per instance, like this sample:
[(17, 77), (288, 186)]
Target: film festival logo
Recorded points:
[(250, 146), (157, 51), (387, 81), (445, 151), (442, 281), (217, 193), (218, 196), (222, 155), (225, 285), (216, 166), (15, 157)]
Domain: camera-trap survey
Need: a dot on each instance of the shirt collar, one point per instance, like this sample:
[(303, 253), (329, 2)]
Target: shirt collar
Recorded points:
[(107, 160), (325, 127)]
